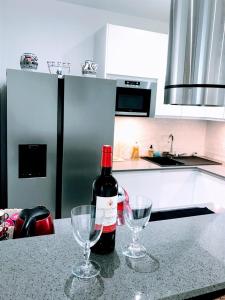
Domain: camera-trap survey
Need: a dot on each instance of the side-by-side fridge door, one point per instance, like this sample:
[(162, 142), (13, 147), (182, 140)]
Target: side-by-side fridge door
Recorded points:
[(31, 139), (89, 109)]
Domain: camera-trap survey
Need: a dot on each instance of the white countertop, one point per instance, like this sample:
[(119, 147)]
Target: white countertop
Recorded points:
[(141, 164)]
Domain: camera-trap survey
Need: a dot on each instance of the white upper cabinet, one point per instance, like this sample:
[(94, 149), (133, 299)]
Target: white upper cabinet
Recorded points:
[(128, 51), (202, 112), (212, 113), (188, 111), (133, 52)]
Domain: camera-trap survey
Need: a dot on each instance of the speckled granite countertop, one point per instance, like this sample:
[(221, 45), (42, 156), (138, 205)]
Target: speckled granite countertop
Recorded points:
[(189, 260), (141, 164)]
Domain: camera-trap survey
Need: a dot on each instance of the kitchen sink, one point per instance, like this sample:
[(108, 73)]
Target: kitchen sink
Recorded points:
[(180, 161), (195, 161), (163, 161)]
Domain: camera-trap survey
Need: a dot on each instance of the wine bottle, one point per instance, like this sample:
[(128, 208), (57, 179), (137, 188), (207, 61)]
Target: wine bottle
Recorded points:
[(104, 197)]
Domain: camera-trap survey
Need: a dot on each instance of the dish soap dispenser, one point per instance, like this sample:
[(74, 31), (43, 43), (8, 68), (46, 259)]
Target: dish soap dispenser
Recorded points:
[(135, 152), (150, 151)]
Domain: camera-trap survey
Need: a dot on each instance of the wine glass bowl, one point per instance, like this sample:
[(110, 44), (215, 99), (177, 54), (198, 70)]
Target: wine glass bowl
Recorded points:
[(136, 215), (86, 231)]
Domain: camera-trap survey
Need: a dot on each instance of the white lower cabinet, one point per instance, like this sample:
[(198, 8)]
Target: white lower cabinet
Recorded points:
[(210, 189), (175, 188), (141, 183), (167, 188)]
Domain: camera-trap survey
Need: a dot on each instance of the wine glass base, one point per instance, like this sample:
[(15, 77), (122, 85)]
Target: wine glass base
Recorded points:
[(134, 251), (146, 264), (81, 270)]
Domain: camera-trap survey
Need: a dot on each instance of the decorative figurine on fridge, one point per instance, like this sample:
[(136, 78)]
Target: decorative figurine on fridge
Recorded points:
[(29, 61), (89, 68)]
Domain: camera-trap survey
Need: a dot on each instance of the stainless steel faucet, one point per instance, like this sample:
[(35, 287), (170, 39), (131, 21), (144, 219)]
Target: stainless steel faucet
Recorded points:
[(170, 140)]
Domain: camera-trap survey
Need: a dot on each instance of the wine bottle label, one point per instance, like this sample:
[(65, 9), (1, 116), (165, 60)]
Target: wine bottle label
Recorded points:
[(106, 208)]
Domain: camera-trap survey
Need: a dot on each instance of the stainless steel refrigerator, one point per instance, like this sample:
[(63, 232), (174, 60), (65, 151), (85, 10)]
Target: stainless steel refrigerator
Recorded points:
[(55, 130)]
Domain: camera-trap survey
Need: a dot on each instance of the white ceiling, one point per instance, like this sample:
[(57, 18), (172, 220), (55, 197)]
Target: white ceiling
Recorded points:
[(152, 9)]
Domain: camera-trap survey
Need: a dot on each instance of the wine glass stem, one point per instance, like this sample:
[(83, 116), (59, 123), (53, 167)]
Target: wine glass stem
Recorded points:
[(87, 253), (135, 237)]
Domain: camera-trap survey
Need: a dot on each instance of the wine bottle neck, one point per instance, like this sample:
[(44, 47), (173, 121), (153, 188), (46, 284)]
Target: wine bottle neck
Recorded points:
[(106, 160), (106, 171)]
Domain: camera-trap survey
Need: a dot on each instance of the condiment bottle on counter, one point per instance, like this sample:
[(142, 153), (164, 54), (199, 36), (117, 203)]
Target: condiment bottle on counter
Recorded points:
[(135, 151), (150, 151)]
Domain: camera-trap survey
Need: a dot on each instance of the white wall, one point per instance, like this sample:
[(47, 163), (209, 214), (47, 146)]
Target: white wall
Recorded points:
[(215, 140), (56, 30), (2, 41), (189, 135)]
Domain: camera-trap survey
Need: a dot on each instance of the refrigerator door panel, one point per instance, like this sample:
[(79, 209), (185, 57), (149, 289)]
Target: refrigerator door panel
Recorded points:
[(31, 139), (89, 109)]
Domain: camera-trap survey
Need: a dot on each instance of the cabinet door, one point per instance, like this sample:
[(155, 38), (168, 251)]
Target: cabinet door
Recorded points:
[(167, 188), (202, 112), (213, 113), (176, 188), (165, 110), (141, 183), (192, 111), (210, 190), (135, 52)]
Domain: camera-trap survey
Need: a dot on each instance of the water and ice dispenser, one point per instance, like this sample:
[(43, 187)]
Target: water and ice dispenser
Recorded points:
[(32, 160)]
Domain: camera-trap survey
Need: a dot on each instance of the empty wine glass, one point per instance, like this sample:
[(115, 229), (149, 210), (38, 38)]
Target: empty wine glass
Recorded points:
[(86, 232), (136, 215)]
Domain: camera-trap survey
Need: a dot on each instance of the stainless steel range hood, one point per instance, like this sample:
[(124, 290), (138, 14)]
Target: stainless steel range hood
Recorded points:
[(196, 53)]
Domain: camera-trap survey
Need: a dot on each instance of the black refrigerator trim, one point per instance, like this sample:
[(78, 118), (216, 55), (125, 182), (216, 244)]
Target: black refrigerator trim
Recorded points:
[(59, 160), (3, 148)]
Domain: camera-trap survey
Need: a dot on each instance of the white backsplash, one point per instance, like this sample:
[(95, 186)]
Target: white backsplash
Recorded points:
[(215, 140), (189, 135)]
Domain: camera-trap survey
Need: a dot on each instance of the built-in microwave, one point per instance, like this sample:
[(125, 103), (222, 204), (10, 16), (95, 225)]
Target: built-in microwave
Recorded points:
[(135, 96)]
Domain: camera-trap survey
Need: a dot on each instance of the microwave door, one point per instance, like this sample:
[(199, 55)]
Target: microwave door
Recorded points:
[(132, 102)]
